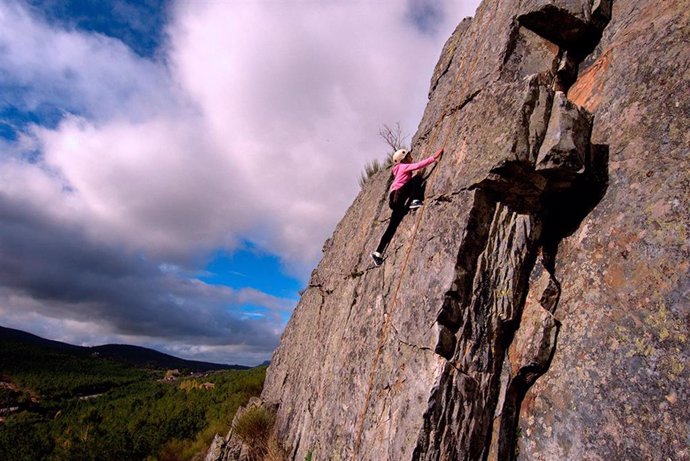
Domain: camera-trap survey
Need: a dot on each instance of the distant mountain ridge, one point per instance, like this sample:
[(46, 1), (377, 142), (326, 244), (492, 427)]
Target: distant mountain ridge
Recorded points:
[(142, 356), (131, 355)]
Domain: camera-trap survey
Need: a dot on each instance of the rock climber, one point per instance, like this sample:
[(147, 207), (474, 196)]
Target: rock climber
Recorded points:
[(406, 188)]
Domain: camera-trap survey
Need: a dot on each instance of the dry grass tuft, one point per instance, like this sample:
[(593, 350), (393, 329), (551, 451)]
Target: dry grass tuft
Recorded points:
[(254, 428)]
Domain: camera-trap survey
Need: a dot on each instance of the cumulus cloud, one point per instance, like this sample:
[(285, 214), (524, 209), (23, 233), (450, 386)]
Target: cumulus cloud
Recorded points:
[(296, 94), (256, 123), (251, 123), (153, 185), (53, 271), (89, 73)]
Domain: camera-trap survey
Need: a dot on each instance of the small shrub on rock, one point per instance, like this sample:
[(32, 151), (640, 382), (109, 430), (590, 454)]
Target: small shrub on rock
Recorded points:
[(253, 428)]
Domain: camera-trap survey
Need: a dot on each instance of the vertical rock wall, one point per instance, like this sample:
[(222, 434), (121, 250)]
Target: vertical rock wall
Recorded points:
[(537, 306), (619, 383)]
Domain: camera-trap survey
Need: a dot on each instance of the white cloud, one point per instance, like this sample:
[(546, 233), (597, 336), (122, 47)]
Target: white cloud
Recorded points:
[(75, 71), (296, 94), (153, 185), (256, 125)]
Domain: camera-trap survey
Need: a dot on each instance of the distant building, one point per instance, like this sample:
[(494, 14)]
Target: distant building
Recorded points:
[(171, 375)]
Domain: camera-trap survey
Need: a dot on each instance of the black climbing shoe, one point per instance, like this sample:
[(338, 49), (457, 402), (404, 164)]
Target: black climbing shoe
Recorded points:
[(415, 204), (377, 257)]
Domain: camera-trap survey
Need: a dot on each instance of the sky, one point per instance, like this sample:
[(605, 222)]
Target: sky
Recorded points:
[(170, 170)]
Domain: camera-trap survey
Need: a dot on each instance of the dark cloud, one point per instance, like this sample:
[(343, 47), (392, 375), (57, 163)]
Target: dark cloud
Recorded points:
[(77, 279), (426, 15)]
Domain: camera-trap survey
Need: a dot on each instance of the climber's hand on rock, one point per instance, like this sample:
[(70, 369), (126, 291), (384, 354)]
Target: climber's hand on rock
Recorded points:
[(438, 153)]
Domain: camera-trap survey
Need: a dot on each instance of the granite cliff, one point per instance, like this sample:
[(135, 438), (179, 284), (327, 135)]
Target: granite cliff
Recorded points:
[(537, 307)]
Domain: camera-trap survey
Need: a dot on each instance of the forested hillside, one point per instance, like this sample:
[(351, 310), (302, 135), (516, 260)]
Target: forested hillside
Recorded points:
[(59, 403)]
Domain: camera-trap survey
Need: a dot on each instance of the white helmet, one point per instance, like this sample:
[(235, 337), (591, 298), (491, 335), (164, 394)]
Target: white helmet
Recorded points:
[(399, 155)]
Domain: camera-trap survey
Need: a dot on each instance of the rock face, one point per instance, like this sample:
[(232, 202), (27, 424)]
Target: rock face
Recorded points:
[(537, 306)]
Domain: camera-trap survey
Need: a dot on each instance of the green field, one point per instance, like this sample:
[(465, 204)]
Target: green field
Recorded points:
[(73, 406)]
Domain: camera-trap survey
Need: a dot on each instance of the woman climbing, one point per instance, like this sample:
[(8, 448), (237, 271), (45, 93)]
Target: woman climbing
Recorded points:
[(405, 188)]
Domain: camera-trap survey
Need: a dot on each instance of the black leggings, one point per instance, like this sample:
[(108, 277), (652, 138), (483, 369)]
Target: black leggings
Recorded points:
[(398, 202)]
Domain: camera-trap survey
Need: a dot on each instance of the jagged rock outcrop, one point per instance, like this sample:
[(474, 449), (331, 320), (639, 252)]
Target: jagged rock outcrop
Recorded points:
[(230, 447), (537, 306)]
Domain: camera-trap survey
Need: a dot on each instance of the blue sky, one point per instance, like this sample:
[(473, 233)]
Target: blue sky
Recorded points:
[(137, 23), (169, 170), (248, 267)]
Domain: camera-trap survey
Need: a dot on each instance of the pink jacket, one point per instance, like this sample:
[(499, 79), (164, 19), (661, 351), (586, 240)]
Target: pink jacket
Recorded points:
[(403, 172)]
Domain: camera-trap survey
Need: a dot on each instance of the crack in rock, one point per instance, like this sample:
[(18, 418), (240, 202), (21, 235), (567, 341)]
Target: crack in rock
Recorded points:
[(496, 322)]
